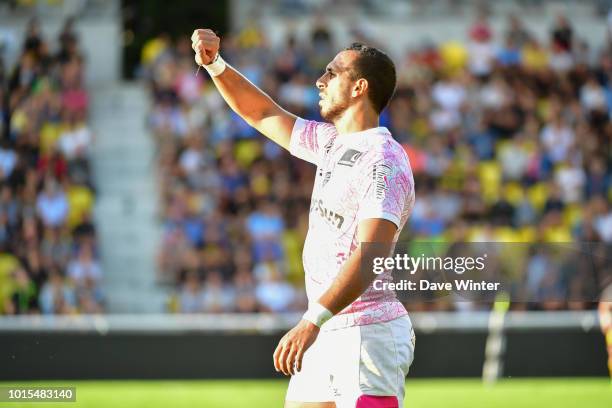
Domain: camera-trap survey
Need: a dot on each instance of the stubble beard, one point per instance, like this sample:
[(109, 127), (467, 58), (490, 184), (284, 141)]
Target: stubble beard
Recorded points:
[(333, 112)]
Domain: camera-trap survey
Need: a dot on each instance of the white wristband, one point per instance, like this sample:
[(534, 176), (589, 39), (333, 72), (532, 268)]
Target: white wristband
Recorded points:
[(216, 67), (317, 314)]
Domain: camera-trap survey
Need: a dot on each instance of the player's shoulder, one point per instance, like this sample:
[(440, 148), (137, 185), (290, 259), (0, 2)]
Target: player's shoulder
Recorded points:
[(307, 125), (380, 146)]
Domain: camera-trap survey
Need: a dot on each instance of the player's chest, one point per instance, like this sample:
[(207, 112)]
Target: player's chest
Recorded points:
[(339, 178)]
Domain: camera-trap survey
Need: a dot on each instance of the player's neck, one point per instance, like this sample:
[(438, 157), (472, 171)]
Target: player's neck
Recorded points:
[(356, 119)]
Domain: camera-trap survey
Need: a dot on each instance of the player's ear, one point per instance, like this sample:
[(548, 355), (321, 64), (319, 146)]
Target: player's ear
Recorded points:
[(360, 87)]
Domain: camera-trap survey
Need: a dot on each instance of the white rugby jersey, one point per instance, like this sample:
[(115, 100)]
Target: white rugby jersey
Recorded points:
[(359, 175)]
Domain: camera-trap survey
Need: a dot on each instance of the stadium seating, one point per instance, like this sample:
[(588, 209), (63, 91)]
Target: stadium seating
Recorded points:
[(48, 252), (506, 134)]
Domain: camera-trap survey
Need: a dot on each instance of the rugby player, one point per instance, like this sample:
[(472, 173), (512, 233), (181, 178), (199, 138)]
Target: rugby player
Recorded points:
[(354, 345)]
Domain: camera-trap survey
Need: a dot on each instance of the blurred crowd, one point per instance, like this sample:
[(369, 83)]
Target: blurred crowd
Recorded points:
[(508, 137), (48, 253)]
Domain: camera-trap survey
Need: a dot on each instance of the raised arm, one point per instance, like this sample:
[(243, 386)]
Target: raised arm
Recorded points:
[(248, 101)]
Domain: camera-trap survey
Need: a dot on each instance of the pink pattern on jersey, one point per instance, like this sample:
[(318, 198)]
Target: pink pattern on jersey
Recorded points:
[(309, 139), (313, 134), (376, 183)]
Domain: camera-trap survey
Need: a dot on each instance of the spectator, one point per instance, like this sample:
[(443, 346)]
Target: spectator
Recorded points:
[(481, 48), (275, 294), (56, 296), (244, 288), (562, 34), (510, 54), (75, 140), (598, 181), (603, 219), (84, 267), (90, 297), (571, 177), (45, 185), (52, 205), (562, 43), (55, 247), (265, 227), (24, 295), (508, 142), (516, 31), (217, 297), (593, 97), (557, 138), (8, 160), (191, 298)]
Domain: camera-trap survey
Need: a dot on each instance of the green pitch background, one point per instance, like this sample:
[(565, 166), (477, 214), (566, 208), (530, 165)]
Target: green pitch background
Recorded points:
[(463, 393)]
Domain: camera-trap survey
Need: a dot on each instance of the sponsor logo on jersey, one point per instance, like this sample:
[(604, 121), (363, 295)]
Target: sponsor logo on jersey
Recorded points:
[(326, 177), (380, 178), (350, 157), (328, 215), (328, 145)]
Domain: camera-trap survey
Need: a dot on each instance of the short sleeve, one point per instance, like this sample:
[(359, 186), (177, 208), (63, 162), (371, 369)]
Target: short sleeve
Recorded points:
[(388, 192), (309, 139)]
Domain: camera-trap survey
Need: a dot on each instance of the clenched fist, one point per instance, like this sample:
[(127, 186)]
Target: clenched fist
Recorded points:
[(205, 43)]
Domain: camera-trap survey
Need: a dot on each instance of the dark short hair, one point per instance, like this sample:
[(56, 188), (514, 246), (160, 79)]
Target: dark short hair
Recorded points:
[(377, 68)]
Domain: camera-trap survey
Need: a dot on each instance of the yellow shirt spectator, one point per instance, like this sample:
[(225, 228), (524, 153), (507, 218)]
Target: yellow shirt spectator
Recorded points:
[(80, 202), (454, 56), (534, 57), (8, 263), (49, 134), (152, 49), (490, 176)]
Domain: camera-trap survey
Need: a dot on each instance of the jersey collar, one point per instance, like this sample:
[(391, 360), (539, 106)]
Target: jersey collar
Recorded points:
[(366, 136)]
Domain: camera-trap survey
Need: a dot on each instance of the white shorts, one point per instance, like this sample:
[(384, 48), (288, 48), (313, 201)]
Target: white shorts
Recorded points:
[(347, 364)]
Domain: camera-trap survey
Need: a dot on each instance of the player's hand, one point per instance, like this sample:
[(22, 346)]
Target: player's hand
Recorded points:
[(205, 44), (290, 350)]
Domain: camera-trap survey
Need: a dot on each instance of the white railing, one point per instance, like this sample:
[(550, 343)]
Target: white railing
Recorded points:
[(427, 322)]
